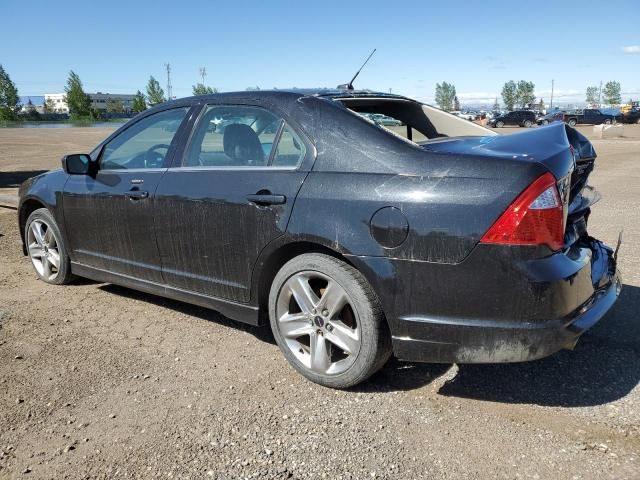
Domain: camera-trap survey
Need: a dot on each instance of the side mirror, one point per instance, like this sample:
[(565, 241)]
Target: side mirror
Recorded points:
[(76, 164)]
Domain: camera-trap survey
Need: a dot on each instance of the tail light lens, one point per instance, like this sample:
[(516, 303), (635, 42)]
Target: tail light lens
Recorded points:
[(536, 217)]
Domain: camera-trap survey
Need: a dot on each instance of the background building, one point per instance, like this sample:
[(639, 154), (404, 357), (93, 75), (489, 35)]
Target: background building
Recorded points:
[(99, 101), (59, 103)]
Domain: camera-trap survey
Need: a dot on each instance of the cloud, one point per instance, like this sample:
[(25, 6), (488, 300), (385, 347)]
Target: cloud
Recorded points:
[(631, 49)]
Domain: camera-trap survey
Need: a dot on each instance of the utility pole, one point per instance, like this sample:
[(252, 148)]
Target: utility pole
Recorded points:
[(551, 102), (169, 93), (203, 74), (600, 95)]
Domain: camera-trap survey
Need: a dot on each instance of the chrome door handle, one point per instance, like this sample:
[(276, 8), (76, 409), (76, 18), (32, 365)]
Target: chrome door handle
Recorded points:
[(267, 199), (137, 194)]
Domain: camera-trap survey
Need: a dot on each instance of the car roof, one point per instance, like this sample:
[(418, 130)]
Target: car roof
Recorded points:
[(294, 93)]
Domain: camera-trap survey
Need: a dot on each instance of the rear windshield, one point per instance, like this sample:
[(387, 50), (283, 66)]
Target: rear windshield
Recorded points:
[(412, 120)]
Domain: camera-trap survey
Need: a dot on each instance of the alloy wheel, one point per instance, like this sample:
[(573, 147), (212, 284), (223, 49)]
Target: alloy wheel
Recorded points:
[(43, 249), (318, 323)]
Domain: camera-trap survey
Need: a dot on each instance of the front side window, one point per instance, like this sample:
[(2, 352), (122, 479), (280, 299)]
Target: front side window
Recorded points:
[(241, 136), (145, 144)]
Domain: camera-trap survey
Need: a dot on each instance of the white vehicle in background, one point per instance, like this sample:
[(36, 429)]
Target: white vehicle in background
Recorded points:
[(466, 115)]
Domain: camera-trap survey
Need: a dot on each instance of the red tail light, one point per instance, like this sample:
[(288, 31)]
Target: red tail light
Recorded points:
[(536, 217)]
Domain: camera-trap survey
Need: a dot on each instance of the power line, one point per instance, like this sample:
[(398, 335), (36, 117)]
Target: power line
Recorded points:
[(203, 74)]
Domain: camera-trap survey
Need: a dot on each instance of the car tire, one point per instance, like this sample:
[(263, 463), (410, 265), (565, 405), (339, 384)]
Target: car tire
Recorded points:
[(638, 121), (528, 123), (607, 121), (572, 122), (338, 348), (499, 124), (46, 248), (545, 122)]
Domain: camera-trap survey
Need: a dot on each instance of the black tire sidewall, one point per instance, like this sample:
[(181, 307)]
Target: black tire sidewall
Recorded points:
[(375, 345), (64, 272)]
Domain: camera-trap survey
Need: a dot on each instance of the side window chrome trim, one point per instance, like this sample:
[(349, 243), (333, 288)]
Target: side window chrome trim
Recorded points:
[(233, 168), (132, 170)]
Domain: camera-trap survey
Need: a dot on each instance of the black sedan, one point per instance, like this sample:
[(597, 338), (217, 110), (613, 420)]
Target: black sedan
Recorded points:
[(446, 243)]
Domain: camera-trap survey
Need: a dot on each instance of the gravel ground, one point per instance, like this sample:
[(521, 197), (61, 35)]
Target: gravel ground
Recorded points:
[(97, 381)]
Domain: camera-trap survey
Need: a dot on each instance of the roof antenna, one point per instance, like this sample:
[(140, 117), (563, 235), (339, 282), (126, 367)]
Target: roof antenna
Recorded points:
[(349, 86)]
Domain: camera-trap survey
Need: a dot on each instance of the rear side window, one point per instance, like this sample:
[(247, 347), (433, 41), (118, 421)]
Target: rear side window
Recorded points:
[(144, 144), (290, 149), (242, 136)]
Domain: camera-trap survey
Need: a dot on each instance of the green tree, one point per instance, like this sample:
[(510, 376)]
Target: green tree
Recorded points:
[(79, 102), (592, 95), (202, 89), (509, 94), (456, 103), (49, 106), (9, 99), (525, 93), (155, 94), (611, 93), (31, 112), (114, 105), (257, 88), (445, 94), (139, 103)]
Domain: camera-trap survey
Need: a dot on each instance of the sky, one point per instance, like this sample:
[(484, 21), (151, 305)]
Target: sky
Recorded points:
[(477, 45)]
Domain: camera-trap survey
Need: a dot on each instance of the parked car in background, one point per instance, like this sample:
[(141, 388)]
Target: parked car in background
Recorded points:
[(352, 243), (556, 116), (631, 116), (590, 116), (520, 118), (385, 120)]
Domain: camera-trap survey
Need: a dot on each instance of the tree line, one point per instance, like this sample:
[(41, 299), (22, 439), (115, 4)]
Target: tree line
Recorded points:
[(521, 94), (79, 102), (514, 95)]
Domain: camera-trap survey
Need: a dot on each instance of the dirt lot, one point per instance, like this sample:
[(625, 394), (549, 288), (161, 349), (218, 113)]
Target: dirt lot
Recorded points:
[(100, 381)]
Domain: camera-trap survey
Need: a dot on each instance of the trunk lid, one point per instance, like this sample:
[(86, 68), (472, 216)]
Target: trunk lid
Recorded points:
[(563, 150)]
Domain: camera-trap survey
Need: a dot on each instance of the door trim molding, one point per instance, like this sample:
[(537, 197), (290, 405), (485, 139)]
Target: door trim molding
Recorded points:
[(234, 310)]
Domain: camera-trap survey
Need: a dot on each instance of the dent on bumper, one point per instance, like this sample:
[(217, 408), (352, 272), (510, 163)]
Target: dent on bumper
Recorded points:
[(485, 341)]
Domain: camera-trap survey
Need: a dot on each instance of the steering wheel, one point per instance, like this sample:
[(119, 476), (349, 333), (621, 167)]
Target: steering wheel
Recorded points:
[(153, 159)]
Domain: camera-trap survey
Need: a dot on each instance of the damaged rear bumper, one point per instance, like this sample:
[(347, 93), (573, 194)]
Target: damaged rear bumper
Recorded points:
[(502, 304), (485, 341)]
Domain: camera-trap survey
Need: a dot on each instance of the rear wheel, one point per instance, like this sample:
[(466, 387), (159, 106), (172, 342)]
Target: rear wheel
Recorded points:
[(46, 248), (572, 122), (328, 321), (499, 124), (528, 123)]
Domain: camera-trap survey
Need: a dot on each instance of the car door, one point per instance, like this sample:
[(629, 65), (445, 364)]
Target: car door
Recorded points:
[(109, 215), (228, 196)]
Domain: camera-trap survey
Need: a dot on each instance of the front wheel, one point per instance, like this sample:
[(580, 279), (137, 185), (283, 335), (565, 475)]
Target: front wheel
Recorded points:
[(328, 321), (46, 248), (499, 124), (545, 122), (528, 123), (572, 122)]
